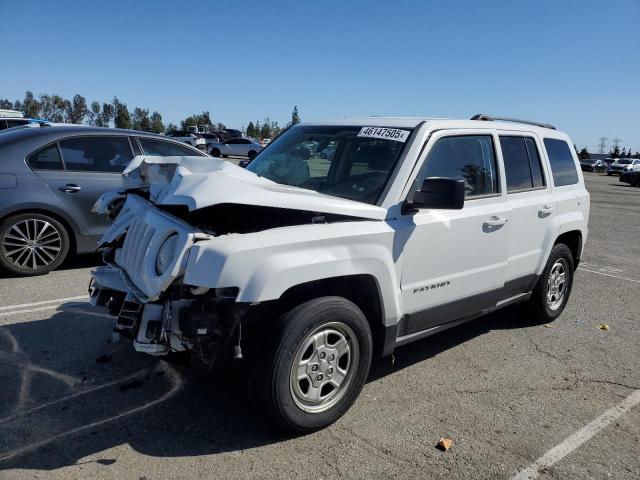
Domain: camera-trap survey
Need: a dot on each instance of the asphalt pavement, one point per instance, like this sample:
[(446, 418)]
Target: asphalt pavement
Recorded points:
[(516, 397)]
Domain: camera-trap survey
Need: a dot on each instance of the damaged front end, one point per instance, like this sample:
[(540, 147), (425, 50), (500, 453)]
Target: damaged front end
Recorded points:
[(165, 207), (141, 285)]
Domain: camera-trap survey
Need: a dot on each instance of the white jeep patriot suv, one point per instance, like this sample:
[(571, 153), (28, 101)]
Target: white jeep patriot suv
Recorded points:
[(311, 265)]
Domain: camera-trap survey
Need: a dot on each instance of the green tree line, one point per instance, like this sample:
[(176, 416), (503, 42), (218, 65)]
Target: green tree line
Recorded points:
[(613, 153), (55, 108)]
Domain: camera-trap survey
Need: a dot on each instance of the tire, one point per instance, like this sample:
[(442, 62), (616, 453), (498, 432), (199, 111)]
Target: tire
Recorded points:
[(609, 173), (548, 300), (215, 152), (330, 339), (252, 154), (32, 244)]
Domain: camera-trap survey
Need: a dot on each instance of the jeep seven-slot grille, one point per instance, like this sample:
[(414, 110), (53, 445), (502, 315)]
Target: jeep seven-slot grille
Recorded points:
[(135, 244)]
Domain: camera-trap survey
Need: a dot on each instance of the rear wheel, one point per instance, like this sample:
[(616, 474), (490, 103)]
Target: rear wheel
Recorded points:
[(554, 286), (32, 244), (215, 152), (252, 154), (319, 364)]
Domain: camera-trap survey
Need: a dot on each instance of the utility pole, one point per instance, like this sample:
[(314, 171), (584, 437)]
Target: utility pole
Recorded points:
[(602, 146), (616, 142)]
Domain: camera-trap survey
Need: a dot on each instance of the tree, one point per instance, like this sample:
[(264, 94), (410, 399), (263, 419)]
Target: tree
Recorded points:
[(17, 105), (121, 118), (140, 119), (251, 130), (77, 110), (30, 106), (265, 131), (172, 127), (5, 103), (156, 123), (202, 119), (583, 153), (108, 114), (54, 108), (615, 153), (295, 117), (93, 115)]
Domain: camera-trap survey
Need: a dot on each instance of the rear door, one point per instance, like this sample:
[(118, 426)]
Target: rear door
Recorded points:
[(92, 166), (533, 210)]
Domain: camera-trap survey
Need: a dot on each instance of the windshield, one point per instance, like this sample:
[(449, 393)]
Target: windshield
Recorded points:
[(624, 162), (342, 161)]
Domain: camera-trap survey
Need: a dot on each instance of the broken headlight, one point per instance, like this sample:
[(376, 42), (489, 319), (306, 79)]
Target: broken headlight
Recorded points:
[(166, 254)]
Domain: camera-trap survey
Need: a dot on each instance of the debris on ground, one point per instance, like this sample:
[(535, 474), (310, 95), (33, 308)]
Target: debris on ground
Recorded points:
[(444, 444), (603, 326), (547, 325)]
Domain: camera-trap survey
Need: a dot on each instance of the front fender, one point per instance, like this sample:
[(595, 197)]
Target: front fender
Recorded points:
[(264, 265)]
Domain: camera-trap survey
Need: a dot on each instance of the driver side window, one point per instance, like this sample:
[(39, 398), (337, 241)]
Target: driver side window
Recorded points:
[(467, 157)]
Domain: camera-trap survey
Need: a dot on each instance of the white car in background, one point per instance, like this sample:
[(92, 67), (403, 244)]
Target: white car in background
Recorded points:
[(193, 139), (239, 147)]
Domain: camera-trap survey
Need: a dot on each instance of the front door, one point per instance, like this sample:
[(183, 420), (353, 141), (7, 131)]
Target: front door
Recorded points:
[(454, 261)]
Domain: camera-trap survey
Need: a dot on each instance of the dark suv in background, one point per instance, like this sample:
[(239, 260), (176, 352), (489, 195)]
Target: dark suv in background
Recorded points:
[(50, 177)]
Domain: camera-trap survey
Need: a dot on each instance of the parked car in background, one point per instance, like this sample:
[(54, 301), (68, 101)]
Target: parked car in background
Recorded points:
[(239, 147), (620, 165), (632, 177), (51, 176), (193, 139), (14, 118), (590, 165)]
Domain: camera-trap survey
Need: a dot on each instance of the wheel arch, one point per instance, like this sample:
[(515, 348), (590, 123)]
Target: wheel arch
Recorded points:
[(573, 240)]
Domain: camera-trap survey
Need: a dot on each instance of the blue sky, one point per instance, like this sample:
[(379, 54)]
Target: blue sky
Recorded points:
[(575, 64)]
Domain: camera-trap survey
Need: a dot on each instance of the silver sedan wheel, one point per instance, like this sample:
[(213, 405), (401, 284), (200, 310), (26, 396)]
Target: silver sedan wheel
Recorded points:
[(556, 284), (31, 244), (323, 367)]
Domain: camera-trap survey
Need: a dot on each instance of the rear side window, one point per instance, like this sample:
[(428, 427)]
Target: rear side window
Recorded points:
[(96, 154), (166, 149), (46, 159), (561, 160), (521, 163), (468, 157)]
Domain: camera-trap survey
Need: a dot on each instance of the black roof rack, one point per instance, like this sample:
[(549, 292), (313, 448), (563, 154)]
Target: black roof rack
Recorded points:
[(490, 118)]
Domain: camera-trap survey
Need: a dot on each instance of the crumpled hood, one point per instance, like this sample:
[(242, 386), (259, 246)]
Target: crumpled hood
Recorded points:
[(199, 182)]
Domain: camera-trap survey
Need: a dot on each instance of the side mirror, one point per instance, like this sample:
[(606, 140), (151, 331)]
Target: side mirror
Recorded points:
[(440, 193)]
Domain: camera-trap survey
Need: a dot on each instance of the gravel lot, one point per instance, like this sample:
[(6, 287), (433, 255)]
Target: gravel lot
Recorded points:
[(73, 404)]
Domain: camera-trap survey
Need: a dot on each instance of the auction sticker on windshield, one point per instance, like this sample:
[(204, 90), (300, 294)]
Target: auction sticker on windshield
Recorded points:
[(384, 133)]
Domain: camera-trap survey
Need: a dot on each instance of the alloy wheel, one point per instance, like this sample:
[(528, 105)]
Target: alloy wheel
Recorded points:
[(556, 284), (31, 244)]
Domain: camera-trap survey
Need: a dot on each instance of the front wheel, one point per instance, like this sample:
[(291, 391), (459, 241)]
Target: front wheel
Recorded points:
[(319, 364), (252, 154), (554, 286)]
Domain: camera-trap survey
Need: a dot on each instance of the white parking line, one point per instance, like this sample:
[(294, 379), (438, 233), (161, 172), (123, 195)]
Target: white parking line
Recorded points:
[(571, 443), (609, 275), (44, 302)]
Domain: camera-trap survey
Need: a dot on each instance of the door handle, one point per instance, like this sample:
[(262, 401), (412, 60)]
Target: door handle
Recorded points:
[(495, 222), (545, 210), (70, 188)]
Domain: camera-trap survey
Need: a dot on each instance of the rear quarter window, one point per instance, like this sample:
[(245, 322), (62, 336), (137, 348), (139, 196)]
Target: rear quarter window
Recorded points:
[(46, 159), (562, 165)]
